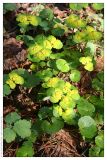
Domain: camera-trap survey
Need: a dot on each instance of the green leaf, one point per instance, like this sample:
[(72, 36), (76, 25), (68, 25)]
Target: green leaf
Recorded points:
[(36, 127), (85, 108), (75, 6), (19, 71), (97, 84), (94, 151), (45, 112), (28, 40), (84, 5), (99, 118), (78, 6), (87, 126), (75, 76), (9, 135), (102, 153), (6, 90), (47, 14), (5, 78), (58, 31), (33, 137), (53, 127), (22, 128), (98, 6), (73, 57), (99, 140), (100, 76), (26, 150), (46, 74), (45, 25), (9, 7), (12, 118), (30, 80), (97, 102), (62, 65)]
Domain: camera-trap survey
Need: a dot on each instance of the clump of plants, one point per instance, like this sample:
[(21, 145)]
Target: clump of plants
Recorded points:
[(57, 70)]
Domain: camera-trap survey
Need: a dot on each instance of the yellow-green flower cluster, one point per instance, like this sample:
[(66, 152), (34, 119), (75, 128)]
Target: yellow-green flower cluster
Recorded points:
[(87, 62), (55, 43), (14, 79), (57, 111), (63, 91), (87, 34), (73, 94), (53, 82), (43, 54), (33, 49), (67, 115), (56, 96), (75, 21), (67, 102), (67, 87), (28, 19), (42, 47), (66, 95)]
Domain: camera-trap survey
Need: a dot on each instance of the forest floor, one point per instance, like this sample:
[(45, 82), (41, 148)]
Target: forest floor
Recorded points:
[(67, 142)]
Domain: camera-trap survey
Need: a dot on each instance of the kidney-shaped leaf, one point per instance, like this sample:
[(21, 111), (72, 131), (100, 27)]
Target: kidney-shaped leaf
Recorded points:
[(87, 126), (55, 125), (23, 128), (62, 65), (6, 90), (75, 76), (85, 108), (99, 140), (26, 150), (12, 117), (98, 6), (45, 112), (9, 135), (94, 151)]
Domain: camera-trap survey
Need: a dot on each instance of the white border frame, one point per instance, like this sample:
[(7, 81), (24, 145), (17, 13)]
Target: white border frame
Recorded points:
[(1, 74)]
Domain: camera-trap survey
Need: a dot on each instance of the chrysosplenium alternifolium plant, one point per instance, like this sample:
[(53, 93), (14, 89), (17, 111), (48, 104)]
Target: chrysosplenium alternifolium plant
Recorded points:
[(60, 51)]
